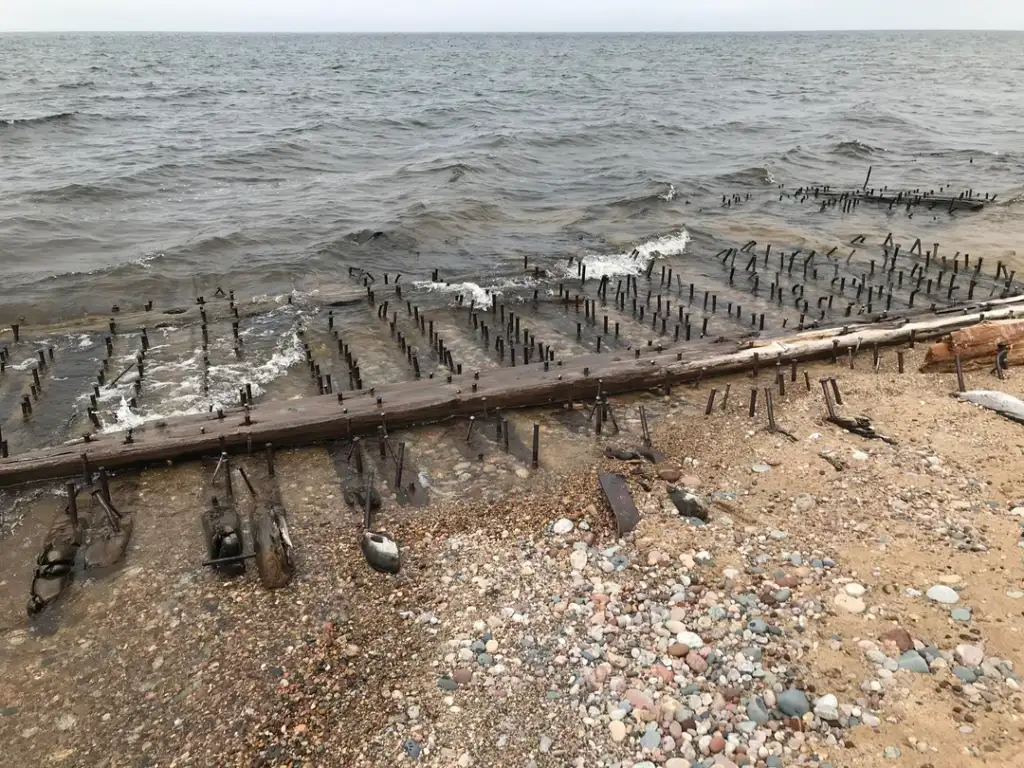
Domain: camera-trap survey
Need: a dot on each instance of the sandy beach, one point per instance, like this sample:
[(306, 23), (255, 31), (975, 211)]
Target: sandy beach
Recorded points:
[(797, 626)]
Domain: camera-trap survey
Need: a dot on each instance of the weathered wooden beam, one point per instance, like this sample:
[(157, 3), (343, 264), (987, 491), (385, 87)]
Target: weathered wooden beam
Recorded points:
[(298, 422), (627, 516)]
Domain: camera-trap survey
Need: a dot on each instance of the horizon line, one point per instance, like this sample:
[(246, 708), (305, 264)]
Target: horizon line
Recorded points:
[(382, 32)]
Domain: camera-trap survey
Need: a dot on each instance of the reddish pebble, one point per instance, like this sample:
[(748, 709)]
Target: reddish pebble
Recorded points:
[(638, 699), (900, 637), (696, 662), (717, 744), (663, 673), (679, 650)]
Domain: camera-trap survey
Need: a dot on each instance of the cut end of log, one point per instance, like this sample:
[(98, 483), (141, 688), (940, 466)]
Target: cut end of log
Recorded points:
[(976, 346)]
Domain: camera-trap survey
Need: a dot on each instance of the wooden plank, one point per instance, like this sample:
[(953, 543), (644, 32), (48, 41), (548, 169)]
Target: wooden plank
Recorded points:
[(313, 419), (627, 516)]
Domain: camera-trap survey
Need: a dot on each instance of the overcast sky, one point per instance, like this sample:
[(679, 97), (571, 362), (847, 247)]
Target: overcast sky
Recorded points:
[(507, 15)]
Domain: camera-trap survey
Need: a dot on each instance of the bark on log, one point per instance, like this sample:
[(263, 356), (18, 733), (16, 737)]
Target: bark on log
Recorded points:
[(314, 419), (976, 346)]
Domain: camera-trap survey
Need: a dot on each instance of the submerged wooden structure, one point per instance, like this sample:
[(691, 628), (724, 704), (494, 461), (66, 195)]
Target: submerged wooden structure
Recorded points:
[(339, 416)]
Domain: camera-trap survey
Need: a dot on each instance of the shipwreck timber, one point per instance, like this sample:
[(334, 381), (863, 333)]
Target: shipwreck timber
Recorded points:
[(330, 416)]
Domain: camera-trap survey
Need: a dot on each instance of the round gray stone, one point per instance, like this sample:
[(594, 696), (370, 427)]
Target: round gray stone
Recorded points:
[(793, 703)]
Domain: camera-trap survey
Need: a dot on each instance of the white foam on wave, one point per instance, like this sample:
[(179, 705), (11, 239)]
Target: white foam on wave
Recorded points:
[(634, 261), (472, 291), (669, 194), (480, 296), (282, 298), (184, 380)]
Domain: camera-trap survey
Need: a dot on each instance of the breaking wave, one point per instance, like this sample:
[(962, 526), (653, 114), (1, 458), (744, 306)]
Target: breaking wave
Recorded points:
[(635, 261)]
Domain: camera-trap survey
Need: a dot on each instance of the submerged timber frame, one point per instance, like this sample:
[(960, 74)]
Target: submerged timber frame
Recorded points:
[(326, 417)]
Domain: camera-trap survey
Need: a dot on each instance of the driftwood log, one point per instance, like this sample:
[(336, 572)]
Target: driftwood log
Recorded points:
[(323, 417), (271, 543), (268, 525), (977, 347)]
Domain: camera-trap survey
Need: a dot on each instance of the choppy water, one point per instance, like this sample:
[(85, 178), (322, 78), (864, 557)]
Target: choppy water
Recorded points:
[(138, 167)]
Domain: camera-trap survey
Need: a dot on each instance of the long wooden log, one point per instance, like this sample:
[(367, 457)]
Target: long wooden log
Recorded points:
[(313, 419)]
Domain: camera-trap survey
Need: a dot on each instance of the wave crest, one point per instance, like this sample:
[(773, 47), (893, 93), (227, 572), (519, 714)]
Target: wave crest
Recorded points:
[(855, 148), (635, 261), (26, 122), (754, 175)]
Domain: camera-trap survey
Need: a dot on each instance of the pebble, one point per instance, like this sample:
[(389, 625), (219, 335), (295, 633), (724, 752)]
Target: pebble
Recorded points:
[(849, 604), (900, 637), (690, 639), (617, 729), (827, 707), (892, 753), (913, 662), (757, 712), (696, 662), (940, 593), (804, 502), (545, 743), (578, 559), (757, 626), (412, 749), (562, 526), (66, 722), (855, 590), (964, 674), (651, 738), (794, 703), (960, 614), (969, 655), (760, 468), (689, 504)]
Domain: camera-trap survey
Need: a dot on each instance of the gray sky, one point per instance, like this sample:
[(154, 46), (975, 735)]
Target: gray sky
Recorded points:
[(507, 15)]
